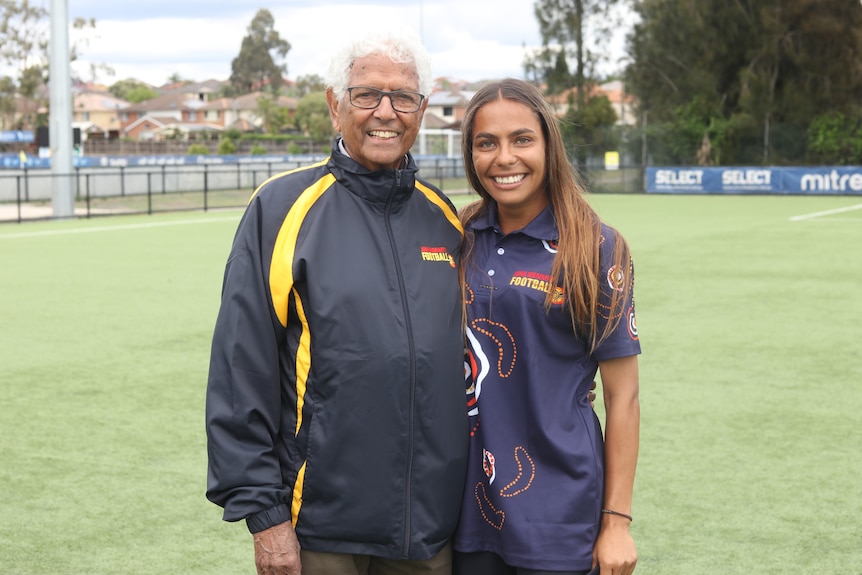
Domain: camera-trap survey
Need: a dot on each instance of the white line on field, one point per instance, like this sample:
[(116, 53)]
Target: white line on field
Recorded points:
[(115, 228), (833, 220), (825, 213)]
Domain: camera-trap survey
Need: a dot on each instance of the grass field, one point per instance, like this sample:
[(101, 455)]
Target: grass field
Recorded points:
[(751, 389)]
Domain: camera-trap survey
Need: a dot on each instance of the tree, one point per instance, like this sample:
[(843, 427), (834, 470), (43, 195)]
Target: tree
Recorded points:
[(227, 90), (310, 83), (132, 90), (82, 39), (22, 35), (140, 94), (813, 64), (226, 147), (587, 129), (22, 32), (752, 74), (563, 25), (256, 65), (7, 102), (24, 46), (176, 78), (312, 117), (29, 82), (835, 139), (274, 117)]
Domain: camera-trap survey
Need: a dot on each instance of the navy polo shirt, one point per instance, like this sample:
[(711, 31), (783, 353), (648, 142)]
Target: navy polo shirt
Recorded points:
[(535, 483)]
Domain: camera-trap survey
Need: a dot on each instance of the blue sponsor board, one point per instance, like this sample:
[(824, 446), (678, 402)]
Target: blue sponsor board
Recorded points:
[(150, 161), (824, 180), (16, 137), (673, 180), (13, 161), (830, 181)]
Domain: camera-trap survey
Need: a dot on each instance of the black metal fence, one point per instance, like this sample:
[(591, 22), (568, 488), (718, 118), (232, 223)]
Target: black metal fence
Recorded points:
[(27, 195)]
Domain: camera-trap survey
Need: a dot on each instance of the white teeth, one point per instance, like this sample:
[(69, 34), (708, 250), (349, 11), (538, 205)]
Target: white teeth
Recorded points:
[(510, 179), (382, 134)]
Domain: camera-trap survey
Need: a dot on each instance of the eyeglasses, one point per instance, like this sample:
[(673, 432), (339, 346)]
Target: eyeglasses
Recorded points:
[(369, 98)]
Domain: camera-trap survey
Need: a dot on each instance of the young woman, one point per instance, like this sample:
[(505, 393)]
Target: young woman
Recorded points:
[(548, 296)]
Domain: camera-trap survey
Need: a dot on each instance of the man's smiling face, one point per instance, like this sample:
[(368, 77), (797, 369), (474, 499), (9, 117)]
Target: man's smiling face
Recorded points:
[(378, 138)]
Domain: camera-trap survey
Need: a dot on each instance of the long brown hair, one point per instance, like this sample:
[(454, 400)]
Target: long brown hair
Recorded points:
[(576, 263)]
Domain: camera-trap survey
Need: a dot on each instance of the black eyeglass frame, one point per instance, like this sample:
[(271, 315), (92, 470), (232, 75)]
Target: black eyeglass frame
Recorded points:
[(380, 94)]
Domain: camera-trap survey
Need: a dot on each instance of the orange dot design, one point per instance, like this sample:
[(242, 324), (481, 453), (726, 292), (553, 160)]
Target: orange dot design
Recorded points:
[(501, 351)]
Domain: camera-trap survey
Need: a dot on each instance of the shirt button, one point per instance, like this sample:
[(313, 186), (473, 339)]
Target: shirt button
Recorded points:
[(490, 272), (501, 251)]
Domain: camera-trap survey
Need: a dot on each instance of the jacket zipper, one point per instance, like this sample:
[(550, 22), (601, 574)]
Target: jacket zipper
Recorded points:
[(411, 346)]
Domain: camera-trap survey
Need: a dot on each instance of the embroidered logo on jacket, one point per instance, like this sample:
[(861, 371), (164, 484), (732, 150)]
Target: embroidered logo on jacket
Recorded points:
[(430, 254)]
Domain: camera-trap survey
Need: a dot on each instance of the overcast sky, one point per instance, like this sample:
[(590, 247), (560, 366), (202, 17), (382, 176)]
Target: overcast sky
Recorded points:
[(197, 39)]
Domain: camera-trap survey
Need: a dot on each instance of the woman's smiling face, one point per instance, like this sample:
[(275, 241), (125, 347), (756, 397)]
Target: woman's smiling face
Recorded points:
[(509, 159)]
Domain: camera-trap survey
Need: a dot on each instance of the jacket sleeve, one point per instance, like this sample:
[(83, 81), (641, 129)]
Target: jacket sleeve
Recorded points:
[(243, 389)]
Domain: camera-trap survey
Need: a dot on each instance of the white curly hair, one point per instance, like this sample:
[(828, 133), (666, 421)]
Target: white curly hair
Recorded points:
[(401, 47)]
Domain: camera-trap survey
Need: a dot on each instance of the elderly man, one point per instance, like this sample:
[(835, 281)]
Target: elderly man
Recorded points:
[(335, 402)]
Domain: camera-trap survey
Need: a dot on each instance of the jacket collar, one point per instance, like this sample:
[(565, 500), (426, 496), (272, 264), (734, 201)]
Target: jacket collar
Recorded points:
[(378, 186)]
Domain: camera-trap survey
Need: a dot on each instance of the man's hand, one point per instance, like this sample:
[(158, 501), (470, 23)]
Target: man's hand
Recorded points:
[(591, 395), (276, 551)]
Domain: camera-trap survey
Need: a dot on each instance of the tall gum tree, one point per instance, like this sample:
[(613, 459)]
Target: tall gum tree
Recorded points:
[(574, 33), (747, 75), (257, 66)]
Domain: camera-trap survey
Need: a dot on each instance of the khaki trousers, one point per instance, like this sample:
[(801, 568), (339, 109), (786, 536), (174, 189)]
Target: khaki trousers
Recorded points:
[(314, 563)]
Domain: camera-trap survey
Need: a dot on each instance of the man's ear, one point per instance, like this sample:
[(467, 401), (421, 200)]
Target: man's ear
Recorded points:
[(333, 103)]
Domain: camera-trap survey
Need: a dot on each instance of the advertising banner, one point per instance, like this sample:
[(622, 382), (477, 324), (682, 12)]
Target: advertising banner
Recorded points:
[(825, 180), (16, 137)]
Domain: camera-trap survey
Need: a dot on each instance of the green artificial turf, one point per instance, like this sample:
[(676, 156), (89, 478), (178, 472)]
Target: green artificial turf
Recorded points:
[(750, 389), (105, 343)]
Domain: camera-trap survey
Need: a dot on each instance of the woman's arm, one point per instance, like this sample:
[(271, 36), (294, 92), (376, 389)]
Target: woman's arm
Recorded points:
[(615, 549)]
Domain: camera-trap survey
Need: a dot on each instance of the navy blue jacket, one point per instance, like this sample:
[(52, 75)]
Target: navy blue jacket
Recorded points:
[(335, 397)]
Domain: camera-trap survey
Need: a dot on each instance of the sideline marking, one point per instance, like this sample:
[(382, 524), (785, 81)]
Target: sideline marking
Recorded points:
[(826, 213), (114, 228)]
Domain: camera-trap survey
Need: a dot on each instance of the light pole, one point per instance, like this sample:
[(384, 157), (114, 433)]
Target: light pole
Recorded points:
[(60, 127)]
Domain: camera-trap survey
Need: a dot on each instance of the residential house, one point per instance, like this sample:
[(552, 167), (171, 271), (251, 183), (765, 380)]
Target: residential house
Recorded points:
[(98, 114), (440, 133), (148, 128), (218, 111), (188, 111), (242, 113), (203, 91), (178, 110), (446, 109)]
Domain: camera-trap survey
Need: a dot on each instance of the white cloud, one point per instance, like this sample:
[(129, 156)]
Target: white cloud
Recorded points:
[(467, 39), (154, 49)]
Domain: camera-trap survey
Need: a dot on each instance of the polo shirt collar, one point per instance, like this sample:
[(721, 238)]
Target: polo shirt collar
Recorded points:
[(543, 226)]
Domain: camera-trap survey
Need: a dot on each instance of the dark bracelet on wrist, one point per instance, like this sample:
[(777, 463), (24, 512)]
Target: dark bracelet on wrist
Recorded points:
[(612, 512)]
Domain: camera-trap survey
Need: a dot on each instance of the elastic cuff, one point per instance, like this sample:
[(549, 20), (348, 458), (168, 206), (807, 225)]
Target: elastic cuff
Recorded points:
[(267, 518)]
